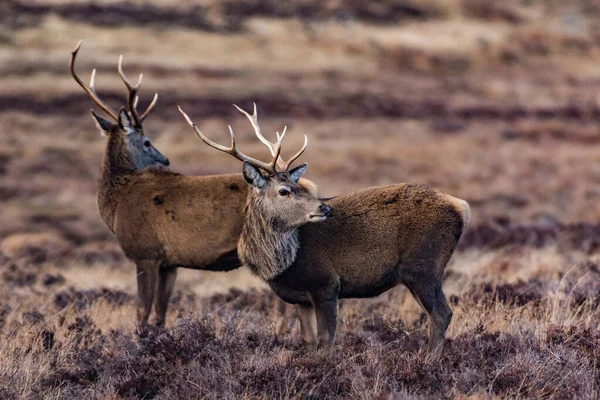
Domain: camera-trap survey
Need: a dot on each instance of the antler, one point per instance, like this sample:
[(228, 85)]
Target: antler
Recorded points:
[(284, 165), (288, 163), (268, 167), (91, 91), (132, 97)]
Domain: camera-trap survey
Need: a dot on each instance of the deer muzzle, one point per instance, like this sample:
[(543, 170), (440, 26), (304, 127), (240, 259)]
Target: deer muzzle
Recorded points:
[(324, 211)]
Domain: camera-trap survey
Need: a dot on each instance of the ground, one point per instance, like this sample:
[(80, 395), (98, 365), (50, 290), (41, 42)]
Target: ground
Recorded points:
[(496, 103)]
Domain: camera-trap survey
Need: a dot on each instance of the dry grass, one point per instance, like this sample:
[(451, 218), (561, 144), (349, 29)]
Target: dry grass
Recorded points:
[(535, 336), (496, 103)]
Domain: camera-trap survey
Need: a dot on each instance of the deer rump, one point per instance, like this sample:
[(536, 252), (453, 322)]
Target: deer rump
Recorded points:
[(189, 222), (391, 234)]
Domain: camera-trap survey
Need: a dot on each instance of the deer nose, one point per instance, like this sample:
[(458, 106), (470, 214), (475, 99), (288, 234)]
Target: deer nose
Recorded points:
[(167, 162), (325, 210)]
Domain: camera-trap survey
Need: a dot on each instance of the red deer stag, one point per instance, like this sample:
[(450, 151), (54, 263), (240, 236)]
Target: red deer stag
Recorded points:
[(365, 243), (162, 220)]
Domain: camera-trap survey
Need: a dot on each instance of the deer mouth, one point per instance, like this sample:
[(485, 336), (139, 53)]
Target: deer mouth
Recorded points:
[(317, 217)]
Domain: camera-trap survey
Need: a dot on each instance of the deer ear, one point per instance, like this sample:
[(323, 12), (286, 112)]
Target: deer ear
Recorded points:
[(253, 175), (125, 122), (297, 172), (102, 124)]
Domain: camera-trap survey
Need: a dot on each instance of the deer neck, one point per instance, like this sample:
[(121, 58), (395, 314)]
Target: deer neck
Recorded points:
[(265, 248), (116, 172)]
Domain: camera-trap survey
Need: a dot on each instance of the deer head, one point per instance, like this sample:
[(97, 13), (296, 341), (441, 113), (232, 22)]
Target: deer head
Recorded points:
[(276, 195), (127, 128)]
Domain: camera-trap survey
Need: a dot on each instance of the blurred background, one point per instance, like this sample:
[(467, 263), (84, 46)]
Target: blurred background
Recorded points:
[(495, 102)]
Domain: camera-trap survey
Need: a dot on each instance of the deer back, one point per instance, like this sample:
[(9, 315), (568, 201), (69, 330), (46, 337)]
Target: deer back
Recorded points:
[(372, 230)]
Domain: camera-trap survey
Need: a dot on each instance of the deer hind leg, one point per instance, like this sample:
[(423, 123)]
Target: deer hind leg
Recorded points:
[(147, 276), (306, 316), (445, 313), (166, 283), (431, 298)]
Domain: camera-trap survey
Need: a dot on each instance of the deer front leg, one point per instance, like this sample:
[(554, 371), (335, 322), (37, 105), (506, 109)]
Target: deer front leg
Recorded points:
[(326, 312), (285, 313), (166, 283), (307, 325), (147, 276)]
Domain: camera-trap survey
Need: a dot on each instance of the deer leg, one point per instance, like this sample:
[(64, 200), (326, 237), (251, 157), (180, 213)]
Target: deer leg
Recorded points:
[(445, 317), (307, 325), (431, 298), (166, 283), (147, 274), (326, 312), (285, 311)]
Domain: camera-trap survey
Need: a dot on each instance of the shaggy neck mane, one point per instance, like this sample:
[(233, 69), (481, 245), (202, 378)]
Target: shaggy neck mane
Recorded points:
[(266, 248), (116, 172)]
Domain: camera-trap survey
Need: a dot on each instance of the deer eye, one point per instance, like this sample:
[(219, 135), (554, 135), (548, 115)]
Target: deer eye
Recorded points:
[(147, 143), (283, 192)]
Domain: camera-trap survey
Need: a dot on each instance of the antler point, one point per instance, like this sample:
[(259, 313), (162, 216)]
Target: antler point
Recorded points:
[(77, 47)]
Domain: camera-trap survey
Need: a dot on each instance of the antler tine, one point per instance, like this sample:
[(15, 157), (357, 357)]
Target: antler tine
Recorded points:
[(93, 80), (268, 167), (282, 133), (289, 162), (150, 107), (275, 148), (276, 154), (124, 77), (91, 91), (132, 92), (254, 122), (286, 165)]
